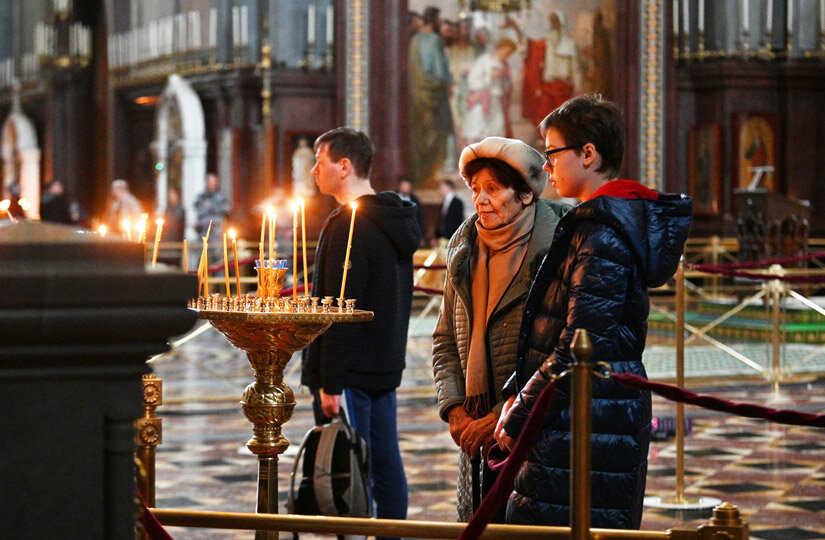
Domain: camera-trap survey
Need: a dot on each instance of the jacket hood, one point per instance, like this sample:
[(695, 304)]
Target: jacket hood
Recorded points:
[(395, 217), (655, 230)]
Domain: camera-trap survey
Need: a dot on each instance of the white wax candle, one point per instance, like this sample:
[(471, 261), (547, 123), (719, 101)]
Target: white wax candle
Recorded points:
[(226, 267), (701, 20), (685, 17), (822, 15), (213, 27), (745, 15), (675, 17), (768, 22), (790, 16), (330, 23), (311, 24)]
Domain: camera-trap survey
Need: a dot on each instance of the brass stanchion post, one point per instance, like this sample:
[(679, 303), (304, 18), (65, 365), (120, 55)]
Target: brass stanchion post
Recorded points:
[(680, 501), (148, 429), (777, 291), (581, 419)]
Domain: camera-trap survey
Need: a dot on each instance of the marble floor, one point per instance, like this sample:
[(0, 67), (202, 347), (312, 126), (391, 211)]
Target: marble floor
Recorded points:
[(774, 474)]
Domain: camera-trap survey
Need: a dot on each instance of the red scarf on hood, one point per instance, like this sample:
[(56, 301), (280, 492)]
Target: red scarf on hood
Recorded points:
[(626, 189)]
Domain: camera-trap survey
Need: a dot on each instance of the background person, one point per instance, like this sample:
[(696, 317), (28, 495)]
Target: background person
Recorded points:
[(211, 206), (622, 239), (452, 211), (490, 262), (364, 360), (124, 205)]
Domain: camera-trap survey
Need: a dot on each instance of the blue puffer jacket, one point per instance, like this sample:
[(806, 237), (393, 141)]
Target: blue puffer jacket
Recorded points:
[(606, 253)]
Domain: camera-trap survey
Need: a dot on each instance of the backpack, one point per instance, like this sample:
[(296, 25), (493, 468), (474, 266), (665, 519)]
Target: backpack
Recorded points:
[(334, 464)]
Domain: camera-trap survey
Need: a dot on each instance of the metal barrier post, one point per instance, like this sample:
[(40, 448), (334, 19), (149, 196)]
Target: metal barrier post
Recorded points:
[(777, 291), (148, 429), (581, 418), (680, 381)]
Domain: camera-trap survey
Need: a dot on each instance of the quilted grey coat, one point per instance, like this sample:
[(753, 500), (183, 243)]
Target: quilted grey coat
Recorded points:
[(451, 338)]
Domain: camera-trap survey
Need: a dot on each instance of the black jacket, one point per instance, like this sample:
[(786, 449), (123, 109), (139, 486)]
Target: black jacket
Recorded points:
[(451, 220), (606, 253), (369, 356)]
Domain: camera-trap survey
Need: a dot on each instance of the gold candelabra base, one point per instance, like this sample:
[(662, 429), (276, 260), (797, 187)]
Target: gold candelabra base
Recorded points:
[(270, 339)]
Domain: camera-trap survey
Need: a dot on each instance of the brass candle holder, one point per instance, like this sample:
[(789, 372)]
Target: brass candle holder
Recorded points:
[(270, 339)]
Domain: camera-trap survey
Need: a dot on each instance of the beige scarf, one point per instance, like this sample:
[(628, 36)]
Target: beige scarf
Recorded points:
[(497, 252)]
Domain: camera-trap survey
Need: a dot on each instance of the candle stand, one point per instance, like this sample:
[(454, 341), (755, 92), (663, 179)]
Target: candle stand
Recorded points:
[(270, 338)]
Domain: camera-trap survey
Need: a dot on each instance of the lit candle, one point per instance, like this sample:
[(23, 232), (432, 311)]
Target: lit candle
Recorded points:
[(235, 257), (158, 233), (354, 206), (5, 204), (226, 267), (304, 244), (769, 21), (329, 25), (294, 251), (140, 227), (126, 226), (701, 19), (311, 24), (185, 258), (102, 230)]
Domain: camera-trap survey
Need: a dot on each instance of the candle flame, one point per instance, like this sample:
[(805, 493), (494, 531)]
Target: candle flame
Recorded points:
[(24, 204), (159, 222), (232, 234), (294, 206), (353, 205), (270, 211), (125, 225), (102, 230), (5, 204), (144, 217), (300, 201), (140, 226)]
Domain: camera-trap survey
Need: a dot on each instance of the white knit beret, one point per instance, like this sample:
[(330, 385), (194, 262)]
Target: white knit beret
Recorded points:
[(522, 157)]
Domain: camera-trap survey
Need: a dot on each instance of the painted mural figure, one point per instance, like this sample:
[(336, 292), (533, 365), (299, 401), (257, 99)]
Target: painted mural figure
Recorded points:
[(489, 94), (552, 73), (431, 122)]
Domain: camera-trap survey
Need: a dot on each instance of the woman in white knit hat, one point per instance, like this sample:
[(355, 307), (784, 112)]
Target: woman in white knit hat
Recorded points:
[(491, 260)]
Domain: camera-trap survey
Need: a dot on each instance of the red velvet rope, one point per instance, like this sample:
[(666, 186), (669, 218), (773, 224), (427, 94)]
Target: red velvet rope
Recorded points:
[(732, 269), (151, 525), (431, 267), (508, 466), (674, 393)]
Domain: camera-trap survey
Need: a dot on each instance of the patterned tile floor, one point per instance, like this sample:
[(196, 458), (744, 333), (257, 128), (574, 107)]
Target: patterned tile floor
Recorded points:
[(775, 474)]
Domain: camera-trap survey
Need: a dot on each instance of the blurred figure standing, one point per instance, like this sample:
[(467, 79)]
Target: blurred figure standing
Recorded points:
[(54, 205), (211, 206), (124, 205)]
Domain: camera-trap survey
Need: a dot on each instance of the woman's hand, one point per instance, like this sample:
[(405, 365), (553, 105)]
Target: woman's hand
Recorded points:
[(501, 437), (459, 420), (479, 433)]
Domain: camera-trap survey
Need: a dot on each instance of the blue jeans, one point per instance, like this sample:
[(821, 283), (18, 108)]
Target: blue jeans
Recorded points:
[(374, 419)]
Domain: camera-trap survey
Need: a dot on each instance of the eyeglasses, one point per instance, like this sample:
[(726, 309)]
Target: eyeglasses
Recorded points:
[(548, 153)]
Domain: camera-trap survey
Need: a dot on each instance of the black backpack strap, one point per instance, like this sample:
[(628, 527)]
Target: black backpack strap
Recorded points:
[(290, 502)]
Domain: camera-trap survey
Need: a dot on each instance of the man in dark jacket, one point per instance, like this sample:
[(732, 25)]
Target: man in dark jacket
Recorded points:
[(364, 361), (452, 211), (607, 251)]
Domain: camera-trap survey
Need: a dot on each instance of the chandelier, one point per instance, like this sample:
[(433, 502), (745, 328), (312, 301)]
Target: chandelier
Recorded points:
[(496, 5)]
